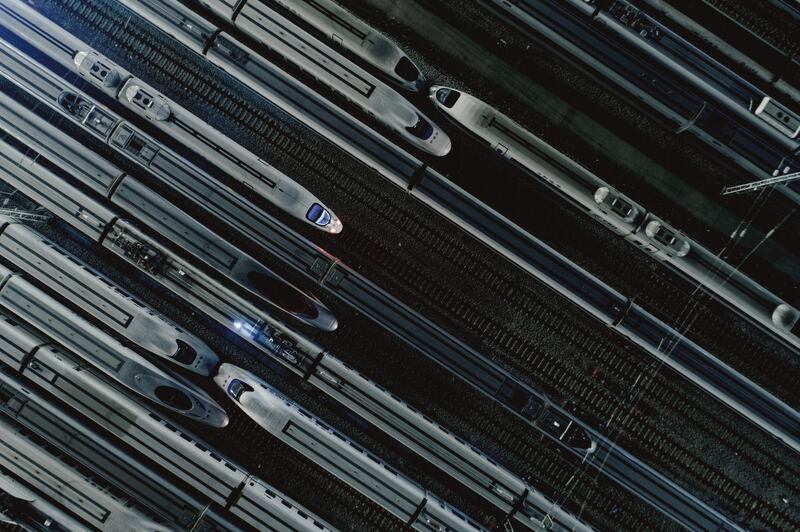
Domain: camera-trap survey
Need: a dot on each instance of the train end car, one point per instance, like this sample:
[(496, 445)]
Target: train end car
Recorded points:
[(243, 166), (510, 140), (349, 32), (343, 458), (306, 52), (414, 127), (22, 299), (99, 297), (270, 289), (661, 240)]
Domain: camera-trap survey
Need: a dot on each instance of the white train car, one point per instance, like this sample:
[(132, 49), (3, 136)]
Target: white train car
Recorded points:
[(100, 298), (347, 31), (42, 312), (355, 466), (22, 506), (82, 495), (622, 215), (305, 52), (133, 93)]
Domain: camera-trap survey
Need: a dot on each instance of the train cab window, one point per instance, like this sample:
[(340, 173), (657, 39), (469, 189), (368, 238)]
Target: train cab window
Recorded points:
[(406, 69), (173, 397), (185, 353), (237, 388), (422, 129), (447, 97), (281, 294), (318, 215)]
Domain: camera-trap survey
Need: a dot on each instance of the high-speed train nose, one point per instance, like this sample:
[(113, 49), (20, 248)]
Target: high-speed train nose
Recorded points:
[(408, 72), (199, 357), (323, 217), (335, 226)]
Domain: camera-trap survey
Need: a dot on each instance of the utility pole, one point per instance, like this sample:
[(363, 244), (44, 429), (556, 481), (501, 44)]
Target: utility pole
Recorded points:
[(25, 216), (755, 185), (24, 210)]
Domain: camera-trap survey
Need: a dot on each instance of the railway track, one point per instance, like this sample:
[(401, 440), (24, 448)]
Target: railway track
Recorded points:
[(410, 278), (578, 137), (731, 340), (348, 509), (602, 501), (771, 21)]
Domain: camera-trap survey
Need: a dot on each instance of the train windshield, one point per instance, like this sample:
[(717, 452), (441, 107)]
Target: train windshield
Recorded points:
[(406, 69), (318, 215), (174, 398), (185, 353), (422, 129), (447, 97), (237, 388), (282, 294)]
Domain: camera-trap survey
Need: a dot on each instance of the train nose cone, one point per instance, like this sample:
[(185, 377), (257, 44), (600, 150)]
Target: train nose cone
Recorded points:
[(223, 375), (420, 83), (217, 418), (443, 144), (206, 362), (335, 226), (195, 355), (325, 319)]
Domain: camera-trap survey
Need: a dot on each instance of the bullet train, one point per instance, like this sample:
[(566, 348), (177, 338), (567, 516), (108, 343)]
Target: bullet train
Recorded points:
[(612, 308), (352, 34), (166, 115), (63, 484), (486, 225), (511, 393), (90, 292), (71, 436), (486, 477), (418, 508), (31, 305), (261, 284), (219, 490), (518, 501), (166, 219), (621, 214), (303, 51), (668, 77)]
